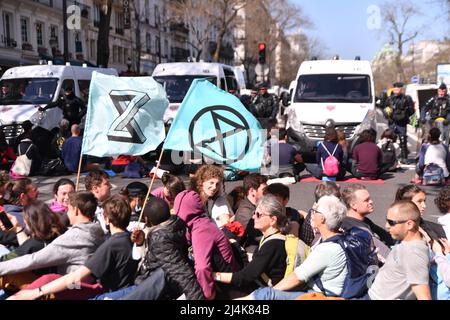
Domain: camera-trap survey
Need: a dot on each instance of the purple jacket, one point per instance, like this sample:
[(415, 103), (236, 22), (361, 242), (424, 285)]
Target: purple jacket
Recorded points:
[(205, 237)]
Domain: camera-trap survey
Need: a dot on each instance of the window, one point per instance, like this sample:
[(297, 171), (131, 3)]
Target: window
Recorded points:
[(125, 55), (157, 45), (40, 33), (96, 15), (119, 23), (24, 29), (84, 89), (157, 17), (115, 54), (148, 42), (8, 29), (120, 55), (93, 52), (166, 48), (54, 36)]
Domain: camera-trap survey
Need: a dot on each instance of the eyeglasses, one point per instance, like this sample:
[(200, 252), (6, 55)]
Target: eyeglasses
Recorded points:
[(313, 211), (259, 214), (392, 223)]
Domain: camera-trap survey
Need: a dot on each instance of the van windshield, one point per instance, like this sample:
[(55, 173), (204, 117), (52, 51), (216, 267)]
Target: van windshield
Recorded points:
[(333, 88), (177, 86), (27, 90)]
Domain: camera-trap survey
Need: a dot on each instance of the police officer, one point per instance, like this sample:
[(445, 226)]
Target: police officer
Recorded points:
[(397, 109), (265, 107), (436, 113), (73, 108)]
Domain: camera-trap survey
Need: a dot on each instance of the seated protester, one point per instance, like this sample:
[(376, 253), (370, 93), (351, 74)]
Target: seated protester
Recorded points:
[(97, 182), (325, 188), (442, 202), (366, 157), (134, 193), (208, 183), (111, 264), (70, 250), (295, 219), (344, 145), (235, 197), (329, 147), (61, 190), (268, 264), (27, 127), (4, 179), (405, 274), (7, 155), (71, 150), (27, 147), (359, 205), (254, 185), (415, 194), (172, 185), (119, 163), (20, 193), (210, 247), (167, 252), (61, 134), (289, 160), (433, 152), (440, 270), (327, 260), (390, 150), (43, 227)]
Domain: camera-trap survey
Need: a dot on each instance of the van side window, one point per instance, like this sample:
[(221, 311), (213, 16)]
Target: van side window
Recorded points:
[(231, 79), (67, 83), (222, 84), (83, 85)]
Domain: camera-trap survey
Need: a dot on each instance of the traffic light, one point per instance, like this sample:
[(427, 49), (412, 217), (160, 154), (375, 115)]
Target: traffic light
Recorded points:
[(262, 52)]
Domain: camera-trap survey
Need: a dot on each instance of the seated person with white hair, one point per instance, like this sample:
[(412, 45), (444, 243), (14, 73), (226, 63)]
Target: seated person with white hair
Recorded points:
[(327, 259)]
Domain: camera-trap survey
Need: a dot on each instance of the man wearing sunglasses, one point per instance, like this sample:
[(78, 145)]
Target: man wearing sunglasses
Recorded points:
[(405, 275)]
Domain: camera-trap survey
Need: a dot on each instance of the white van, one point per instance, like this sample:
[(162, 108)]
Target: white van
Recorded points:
[(35, 86), (420, 94), (177, 77), (339, 93)]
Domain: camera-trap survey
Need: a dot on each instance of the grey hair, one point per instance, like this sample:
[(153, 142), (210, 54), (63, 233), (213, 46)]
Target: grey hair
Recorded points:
[(273, 207), (333, 210)]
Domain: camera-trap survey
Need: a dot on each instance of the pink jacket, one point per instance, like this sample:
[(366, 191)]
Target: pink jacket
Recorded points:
[(205, 236)]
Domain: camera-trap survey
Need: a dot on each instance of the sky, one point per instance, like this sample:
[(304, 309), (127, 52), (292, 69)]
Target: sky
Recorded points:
[(350, 28)]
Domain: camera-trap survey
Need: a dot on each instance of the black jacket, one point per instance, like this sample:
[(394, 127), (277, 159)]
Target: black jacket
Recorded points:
[(168, 250), (437, 107), (402, 109), (73, 108)]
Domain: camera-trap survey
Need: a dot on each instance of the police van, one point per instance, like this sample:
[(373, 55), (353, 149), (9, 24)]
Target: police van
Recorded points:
[(177, 77), (27, 88), (339, 93)]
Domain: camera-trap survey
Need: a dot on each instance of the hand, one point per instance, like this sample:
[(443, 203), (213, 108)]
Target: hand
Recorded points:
[(25, 295), (437, 248), (445, 244), (138, 237), (14, 221)]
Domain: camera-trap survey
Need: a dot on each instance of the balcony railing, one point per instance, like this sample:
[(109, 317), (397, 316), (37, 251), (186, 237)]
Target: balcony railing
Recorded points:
[(9, 42)]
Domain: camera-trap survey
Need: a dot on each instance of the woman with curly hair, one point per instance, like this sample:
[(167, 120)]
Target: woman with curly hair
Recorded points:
[(442, 201)]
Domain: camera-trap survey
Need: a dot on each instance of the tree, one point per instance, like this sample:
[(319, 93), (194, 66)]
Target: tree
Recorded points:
[(103, 33), (198, 18), (226, 13), (398, 17)]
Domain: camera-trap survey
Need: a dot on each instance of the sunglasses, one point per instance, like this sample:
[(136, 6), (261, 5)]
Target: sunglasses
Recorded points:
[(313, 211), (259, 214), (392, 223)]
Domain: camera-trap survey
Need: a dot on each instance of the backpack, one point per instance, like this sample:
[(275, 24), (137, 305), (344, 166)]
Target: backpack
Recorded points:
[(388, 153), (331, 165), (296, 253), (361, 262), (433, 175)]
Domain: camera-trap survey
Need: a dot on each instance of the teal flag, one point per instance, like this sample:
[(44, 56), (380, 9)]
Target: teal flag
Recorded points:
[(215, 124), (124, 116)]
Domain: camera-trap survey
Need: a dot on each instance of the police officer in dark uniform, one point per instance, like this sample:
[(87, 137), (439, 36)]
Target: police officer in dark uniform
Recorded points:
[(436, 113), (73, 108), (397, 109), (265, 107)]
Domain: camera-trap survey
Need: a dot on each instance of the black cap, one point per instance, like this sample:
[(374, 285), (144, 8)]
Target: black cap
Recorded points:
[(398, 84), (443, 86), (137, 189), (263, 85)]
